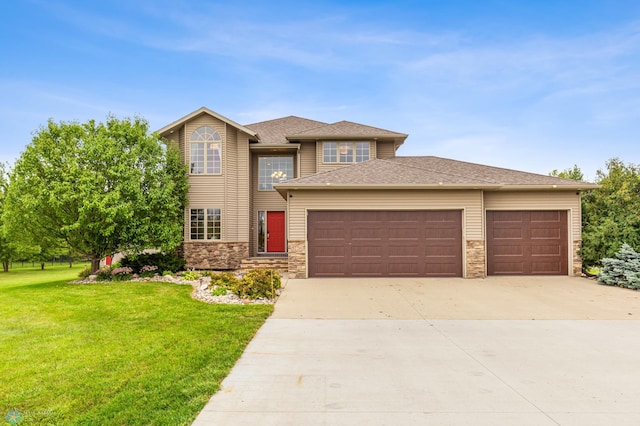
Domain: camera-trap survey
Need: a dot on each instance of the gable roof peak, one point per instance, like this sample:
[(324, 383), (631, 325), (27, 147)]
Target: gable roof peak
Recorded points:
[(204, 110)]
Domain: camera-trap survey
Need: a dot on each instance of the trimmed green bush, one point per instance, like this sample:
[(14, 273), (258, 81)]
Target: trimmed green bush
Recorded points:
[(623, 270), (148, 271), (104, 274), (258, 283), (162, 261), (190, 276), (122, 273), (218, 291), (224, 279)]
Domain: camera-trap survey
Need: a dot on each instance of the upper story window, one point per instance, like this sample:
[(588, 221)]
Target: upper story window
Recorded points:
[(272, 170), (345, 152), (206, 145)]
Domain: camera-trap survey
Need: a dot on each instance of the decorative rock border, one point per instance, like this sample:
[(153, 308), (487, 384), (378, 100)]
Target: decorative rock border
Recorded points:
[(201, 290)]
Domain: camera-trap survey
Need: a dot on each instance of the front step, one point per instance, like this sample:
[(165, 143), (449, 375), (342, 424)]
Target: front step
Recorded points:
[(280, 264)]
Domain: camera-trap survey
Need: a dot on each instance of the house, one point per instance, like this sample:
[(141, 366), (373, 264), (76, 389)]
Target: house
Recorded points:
[(334, 200)]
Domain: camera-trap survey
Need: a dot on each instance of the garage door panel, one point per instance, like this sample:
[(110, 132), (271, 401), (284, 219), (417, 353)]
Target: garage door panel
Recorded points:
[(330, 251), (509, 268), (442, 234), (544, 267), (404, 269), (538, 245), (408, 251), (546, 250), (507, 233), (367, 251), (508, 250), (367, 269), (386, 243), (366, 234), (545, 216), (406, 233), (546, 233), (441, 270)]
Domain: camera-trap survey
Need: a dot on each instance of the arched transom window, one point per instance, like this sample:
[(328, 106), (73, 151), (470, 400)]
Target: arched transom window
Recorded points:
[(206, 146)]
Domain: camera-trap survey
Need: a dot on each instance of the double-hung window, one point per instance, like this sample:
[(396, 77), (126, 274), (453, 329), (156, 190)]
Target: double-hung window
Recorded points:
[(205, 224), (345, 152), (206, 147)]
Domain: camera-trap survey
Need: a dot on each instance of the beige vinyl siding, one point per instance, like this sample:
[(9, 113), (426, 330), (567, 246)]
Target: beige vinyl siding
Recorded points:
[(210, 191), (386, 149), (263, 200), (307, 155), (469, 201), (323, 167), (539, 200)]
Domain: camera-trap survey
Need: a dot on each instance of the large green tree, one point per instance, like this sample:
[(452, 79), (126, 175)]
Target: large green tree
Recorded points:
[(573, 173), (99, 188), (611, 213)]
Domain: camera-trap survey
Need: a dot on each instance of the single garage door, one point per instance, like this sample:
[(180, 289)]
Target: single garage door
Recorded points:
[(385, 243), (527, 243)]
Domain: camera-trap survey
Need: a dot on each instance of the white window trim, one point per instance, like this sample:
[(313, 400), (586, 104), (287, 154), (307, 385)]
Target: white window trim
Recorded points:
[(354, 150), (204, 142), (205, 223)]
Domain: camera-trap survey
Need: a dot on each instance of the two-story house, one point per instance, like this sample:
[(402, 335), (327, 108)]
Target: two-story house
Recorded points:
[(336, 201)]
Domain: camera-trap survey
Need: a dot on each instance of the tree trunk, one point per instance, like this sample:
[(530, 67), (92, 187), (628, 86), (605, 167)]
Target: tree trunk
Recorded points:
[(42, 266), (70, 263), (5, 266), (95, 265)]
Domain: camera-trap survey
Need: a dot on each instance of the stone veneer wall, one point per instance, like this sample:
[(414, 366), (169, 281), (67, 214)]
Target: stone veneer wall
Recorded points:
[(214, 254), (297, 259), (577, 260), (476, 259)]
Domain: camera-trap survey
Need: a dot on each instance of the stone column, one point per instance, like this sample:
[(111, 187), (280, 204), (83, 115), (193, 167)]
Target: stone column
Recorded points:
[(297, 259), (476, 259), (577, 260)]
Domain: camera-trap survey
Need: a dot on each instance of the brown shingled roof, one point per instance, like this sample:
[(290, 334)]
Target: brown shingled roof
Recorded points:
[(276, 131), (345, 128), (428, 172), (492, 174)]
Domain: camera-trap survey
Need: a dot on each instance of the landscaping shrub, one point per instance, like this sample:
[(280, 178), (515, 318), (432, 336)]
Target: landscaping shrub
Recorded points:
[(224, 279), (122, 273), (104, 274), (162, 261), (258, 283), (218, 291), (623, 270), (190, 276), (84, 273), (148, 271)]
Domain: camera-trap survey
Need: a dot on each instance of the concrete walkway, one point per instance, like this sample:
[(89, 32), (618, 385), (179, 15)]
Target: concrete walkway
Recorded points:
[(391, 355)]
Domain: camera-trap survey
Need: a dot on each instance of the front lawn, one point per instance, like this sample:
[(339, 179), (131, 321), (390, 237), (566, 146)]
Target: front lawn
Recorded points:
[(118, 353)]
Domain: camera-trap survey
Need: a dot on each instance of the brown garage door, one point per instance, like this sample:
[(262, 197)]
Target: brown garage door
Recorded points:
[(385, 243), (527, 243)]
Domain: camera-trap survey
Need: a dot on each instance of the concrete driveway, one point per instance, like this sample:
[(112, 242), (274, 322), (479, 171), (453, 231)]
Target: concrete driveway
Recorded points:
[(526, 351)]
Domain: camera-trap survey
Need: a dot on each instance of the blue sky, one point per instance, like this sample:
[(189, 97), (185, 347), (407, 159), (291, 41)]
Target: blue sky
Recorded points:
[(530, 85)]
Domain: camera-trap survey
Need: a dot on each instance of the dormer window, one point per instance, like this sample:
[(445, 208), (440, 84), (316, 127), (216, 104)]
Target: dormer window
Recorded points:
[(206, 146), (345, 152)]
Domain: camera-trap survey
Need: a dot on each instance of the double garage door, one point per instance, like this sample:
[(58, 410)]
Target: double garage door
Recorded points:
[(385, 243), (429, 243)]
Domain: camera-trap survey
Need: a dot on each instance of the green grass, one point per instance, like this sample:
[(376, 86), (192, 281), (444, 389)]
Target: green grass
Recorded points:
[(120, 353)]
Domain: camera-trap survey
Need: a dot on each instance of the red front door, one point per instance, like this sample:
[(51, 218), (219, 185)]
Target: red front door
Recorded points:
[(275, 232)]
